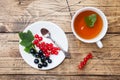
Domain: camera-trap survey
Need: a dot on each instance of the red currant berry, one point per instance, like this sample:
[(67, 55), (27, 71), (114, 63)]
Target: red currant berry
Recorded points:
[(45, 48), (51, 45), (43, 43), (56, 53), (89, 55), (84, 62), (58, 48), (47, 44), (37, 44), (53, 49), (80, 66), (36, 36), (41, 47), (86, 59), (81, 63), (49, 48), (35, 41), (47, 54), (40, 38)]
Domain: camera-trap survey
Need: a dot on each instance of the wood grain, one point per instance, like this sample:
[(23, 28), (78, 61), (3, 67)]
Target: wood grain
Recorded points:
[(55, 11), (105, 61), (45, 77), (16, 15)]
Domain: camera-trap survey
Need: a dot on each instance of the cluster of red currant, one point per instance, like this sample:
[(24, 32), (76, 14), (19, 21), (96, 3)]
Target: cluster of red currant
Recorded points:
[(47, 48), (83, 63)]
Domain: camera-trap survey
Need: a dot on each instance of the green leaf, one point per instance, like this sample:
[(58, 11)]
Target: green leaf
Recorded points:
[(26, 39), (90, 20), (27, 49), (25, 43), (26, 36)]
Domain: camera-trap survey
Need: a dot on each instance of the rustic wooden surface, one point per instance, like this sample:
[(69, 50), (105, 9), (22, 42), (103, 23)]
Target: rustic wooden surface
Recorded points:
[(16, 15)]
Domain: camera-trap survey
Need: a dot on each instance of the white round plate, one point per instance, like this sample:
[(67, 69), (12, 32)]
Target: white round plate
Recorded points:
[(57, 34)]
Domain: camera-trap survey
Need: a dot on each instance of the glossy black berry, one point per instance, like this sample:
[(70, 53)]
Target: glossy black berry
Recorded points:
[(39, 65), (43, 59), (41, 56), (32, 51), (47, 58), (36, 61), (49, 61), (37, 55), (40, 52), (45, 64)]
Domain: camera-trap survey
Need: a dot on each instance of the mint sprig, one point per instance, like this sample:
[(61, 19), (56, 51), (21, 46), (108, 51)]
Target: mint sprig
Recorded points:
[(26, 40), (90, 20)]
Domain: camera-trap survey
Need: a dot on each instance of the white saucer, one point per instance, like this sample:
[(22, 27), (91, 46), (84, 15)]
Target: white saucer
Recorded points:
[(56, 33)]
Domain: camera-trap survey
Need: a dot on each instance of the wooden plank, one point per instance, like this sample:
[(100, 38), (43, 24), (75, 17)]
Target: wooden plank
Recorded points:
[(68, 67), (44, 77), (15, 20), (106, 61), (110, 42), (105, 3), (55, 11)]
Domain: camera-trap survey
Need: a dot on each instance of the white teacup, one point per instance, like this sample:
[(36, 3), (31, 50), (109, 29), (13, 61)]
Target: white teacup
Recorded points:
[(98, 38)]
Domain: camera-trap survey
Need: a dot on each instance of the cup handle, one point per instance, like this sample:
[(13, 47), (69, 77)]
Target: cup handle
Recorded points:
[(99, 44)]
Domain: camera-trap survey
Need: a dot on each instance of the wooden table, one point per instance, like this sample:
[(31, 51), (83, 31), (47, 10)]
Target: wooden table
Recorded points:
[(16, 15)]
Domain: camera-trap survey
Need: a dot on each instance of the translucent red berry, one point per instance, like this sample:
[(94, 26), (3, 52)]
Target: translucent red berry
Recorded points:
[(40, 38), (37, 44), (90, 55), (36, 36), (47, 54), (80, 66), (51, 45), (35, 41), (86, 59), (56, 53)]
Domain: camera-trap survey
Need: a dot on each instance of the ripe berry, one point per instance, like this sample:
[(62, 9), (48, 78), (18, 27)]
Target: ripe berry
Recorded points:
[(40, 38), (36, 36), (40, 52), (51, 45), (36, 61), (42, 56), (45, 64), (47, 58), (49, 61), (37, 44), (32, 51), (80, 66), (43, 59), (37, 55), (39, 65), (81, 63), (90, 55), (47, 54), (85, 59), (84, 62), (56, 52), (35, 41)]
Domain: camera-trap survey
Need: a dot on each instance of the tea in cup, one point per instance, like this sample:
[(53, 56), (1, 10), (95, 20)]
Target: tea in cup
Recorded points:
[(89, 25)]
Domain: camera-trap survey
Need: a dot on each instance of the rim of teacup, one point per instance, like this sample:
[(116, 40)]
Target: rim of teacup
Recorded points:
[(104, 28)]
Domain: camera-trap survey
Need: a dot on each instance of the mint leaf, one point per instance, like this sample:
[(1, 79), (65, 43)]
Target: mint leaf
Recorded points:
[(90, 20), (26, 39)]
